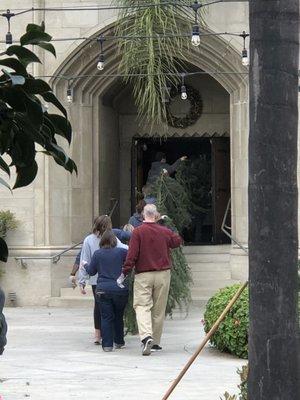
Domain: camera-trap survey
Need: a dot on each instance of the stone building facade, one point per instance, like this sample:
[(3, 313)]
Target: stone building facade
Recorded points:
[(58, 209)]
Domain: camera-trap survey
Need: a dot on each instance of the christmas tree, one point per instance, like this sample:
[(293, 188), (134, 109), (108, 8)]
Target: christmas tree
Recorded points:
[(172, 200)]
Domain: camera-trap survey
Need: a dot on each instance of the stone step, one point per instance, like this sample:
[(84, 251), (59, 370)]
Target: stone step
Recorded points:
[(213, 284), (223, 248), (70, 292), (204, 275), (71, 302), (208, 257), (209, 266)]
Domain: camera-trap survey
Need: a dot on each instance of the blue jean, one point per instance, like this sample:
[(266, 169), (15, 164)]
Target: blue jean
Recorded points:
[(112, 307)]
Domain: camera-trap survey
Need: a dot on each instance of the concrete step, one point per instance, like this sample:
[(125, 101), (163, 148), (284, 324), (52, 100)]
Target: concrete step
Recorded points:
[(213, 284), (224, 248), (204, 275), (70, 292), (209, 266), (208, 257), (71, 302)]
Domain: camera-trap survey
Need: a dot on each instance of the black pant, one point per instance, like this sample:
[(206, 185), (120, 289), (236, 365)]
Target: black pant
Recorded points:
[(112, 307), (97, 314)]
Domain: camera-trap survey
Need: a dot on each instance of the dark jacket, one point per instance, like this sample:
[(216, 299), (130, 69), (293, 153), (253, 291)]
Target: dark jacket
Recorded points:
[(149, 248), (135, 220), (3, 325), (108, 264), (156, 170)]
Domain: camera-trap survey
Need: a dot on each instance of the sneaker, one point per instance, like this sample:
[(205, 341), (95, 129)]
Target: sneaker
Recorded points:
[(107, 349), (147, 344), (119, 346), (156, 347)]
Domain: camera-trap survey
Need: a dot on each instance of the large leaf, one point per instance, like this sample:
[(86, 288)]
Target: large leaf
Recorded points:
[(4, 166), (14, 79), (62, 126), (34, 110), (3, 250), (34, 37), (2, 182), (36, 86), (51, 98), (26, 56), (49, 47), (35, 27), (25, 175), (14, 64)]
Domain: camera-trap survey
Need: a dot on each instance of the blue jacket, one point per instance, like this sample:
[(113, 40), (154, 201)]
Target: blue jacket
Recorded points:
[(108, 264), (136, 220)]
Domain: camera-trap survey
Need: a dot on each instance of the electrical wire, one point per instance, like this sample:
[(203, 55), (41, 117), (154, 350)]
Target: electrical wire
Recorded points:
[(74, 77), (20, 11), (158, 37)]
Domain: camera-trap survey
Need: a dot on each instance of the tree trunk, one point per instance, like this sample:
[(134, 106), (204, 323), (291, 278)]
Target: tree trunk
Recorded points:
[(274, 372)]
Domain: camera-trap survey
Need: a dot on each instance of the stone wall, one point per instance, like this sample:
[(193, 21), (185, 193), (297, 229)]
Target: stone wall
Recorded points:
[(58, 210)]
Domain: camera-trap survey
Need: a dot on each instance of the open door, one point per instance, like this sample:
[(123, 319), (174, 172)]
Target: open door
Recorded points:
[(136, 172), (220, 154)]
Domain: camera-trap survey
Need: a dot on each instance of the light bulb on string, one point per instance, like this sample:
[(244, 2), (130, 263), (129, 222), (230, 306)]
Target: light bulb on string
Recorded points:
[(183, 88), (101, 63), (8, 40), (183, 92), (196, 36), (8, 36), (69, 93), (245, 58), (196, 30)]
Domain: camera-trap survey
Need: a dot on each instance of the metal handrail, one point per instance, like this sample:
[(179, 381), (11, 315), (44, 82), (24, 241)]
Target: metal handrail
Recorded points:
[(224, 227), (56, 257)]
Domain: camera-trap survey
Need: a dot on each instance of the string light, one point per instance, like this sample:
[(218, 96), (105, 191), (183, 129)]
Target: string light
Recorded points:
[(196, 30), (69, 93), (8, 37), (100, 65), (245, 58), (183, 88)]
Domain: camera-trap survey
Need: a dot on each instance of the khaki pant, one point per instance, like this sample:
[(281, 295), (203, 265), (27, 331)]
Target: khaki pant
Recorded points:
[(151, 291)]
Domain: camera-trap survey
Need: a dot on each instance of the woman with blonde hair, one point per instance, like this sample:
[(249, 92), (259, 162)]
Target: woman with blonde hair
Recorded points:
[(89, 246)]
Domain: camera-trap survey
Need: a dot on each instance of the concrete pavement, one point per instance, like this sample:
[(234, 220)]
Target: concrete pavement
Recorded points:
[(51, 356)]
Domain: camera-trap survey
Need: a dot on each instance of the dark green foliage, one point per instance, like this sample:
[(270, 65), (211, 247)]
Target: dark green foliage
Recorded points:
[(232, 335), (243, 386), (24, 121), (172, 200)]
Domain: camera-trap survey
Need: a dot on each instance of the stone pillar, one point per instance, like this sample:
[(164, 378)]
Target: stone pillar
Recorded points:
[(239, 126)]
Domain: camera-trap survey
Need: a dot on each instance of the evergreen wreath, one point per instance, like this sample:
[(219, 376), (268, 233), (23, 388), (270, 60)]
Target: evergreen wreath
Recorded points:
[(195, 112)]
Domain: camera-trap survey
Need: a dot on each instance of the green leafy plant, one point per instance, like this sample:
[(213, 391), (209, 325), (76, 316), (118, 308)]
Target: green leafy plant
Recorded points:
[(155, 58), (232, 335), (24, 119), (243, 386), (8, 222)]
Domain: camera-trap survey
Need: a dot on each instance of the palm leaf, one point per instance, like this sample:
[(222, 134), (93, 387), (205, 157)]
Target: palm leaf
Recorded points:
[(159, 60)]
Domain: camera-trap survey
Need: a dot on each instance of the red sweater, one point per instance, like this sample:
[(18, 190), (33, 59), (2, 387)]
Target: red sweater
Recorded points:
[(149, 248)]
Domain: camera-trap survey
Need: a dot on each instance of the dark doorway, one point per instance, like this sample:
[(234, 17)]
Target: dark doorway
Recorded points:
[(209, 159)]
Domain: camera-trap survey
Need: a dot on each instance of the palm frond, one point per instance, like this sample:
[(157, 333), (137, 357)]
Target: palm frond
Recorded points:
[(158, 60)]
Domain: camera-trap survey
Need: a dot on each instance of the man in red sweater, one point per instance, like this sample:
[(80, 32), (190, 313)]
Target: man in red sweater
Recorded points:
[(149, 254)]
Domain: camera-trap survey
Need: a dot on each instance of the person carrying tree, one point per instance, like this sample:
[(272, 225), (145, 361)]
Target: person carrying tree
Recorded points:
[(160, 165), (149, 255)]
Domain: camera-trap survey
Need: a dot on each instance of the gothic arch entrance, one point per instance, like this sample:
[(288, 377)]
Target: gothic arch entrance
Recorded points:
[(104, 118)]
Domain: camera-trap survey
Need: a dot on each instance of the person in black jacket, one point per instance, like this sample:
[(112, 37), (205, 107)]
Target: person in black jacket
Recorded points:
[(3, 325), (160, 165)]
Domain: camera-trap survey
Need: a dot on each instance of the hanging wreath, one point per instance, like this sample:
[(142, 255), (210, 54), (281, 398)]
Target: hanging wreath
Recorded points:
[(195, 112)]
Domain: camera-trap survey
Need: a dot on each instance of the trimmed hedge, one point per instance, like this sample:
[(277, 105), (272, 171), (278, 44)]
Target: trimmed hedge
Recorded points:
[(232, 335)]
